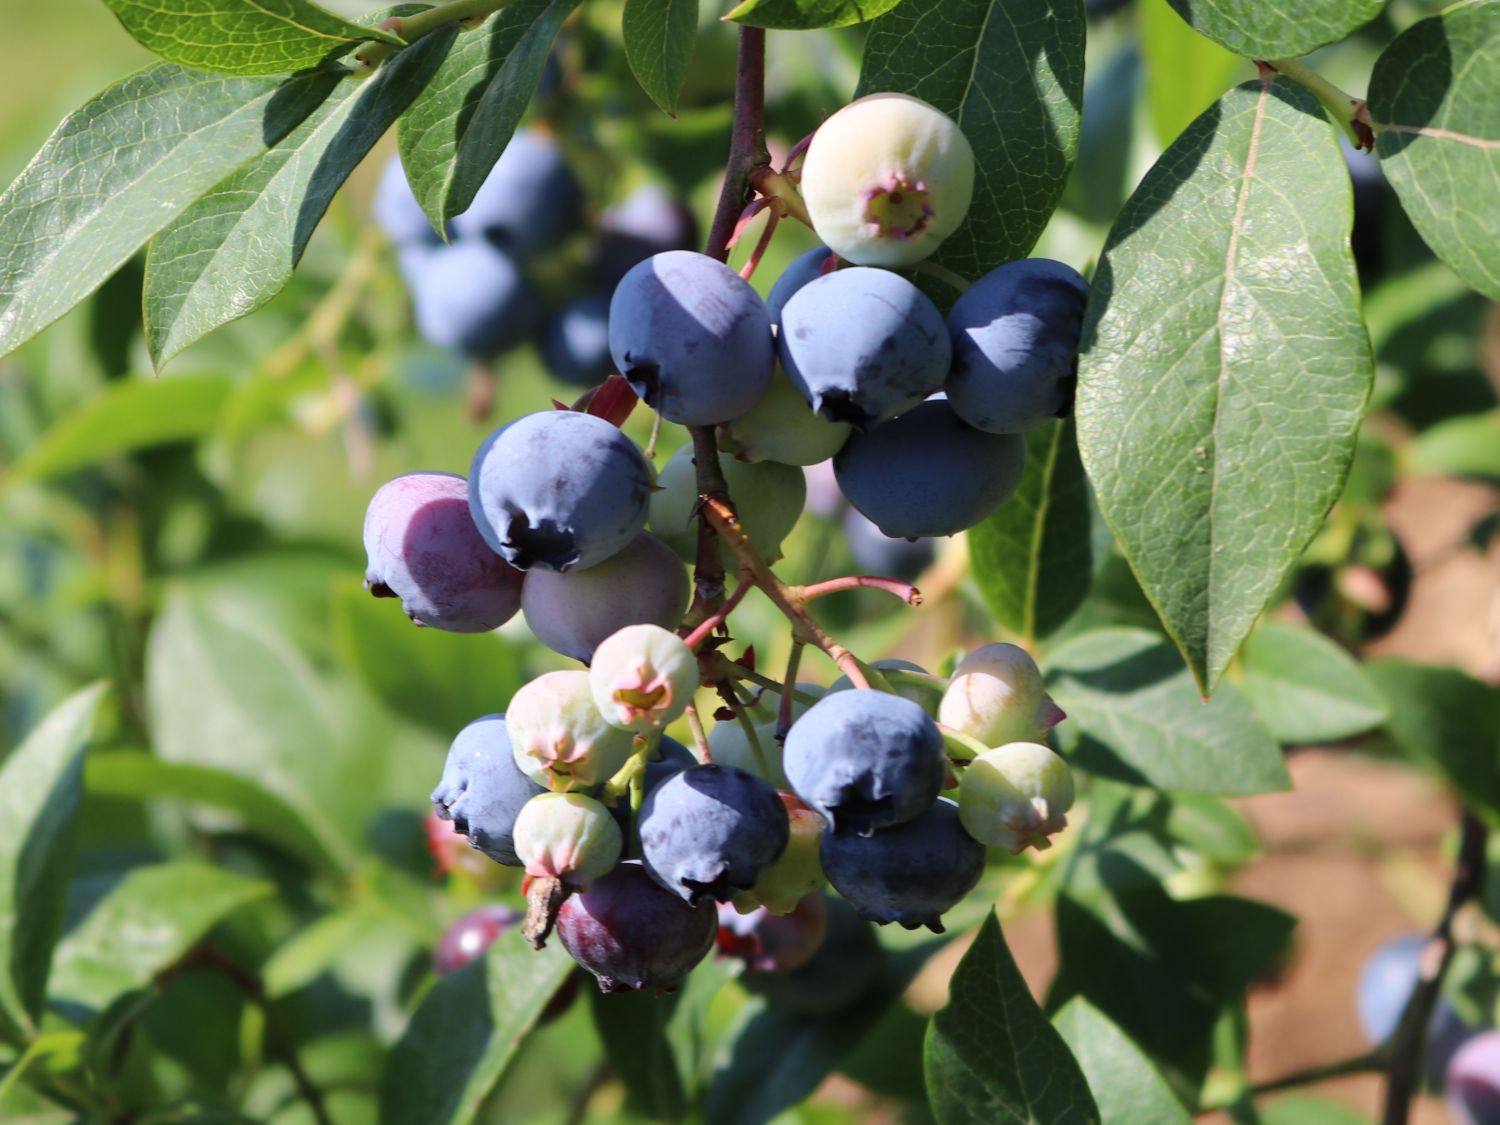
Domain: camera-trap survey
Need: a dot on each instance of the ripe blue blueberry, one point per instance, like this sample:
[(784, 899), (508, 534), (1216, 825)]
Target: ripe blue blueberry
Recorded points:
[(692, 337), (865, 760), (711, 830), (805, 268), (862, 345), (482, 790), (1015, 346), (472, 298), (912, 873), (633, 934), (572, 613), (928, 472), (574, 341), (423, 548), (648, 221), (1385, 985), (559, 490), (529, 201)]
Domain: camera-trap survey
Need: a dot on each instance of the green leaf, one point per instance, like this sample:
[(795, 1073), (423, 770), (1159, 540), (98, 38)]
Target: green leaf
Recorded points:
[(466, 1030), (40, 786), (1033, 559), (1276, 29), (1305, 688), (243, 37), (1467, 446), (437, 679), (462, 120), (235, 248), (143, 925), (1185, 73), (133, 159), (124, 417), (136, 776), (1449, 720), (1134, 715), (991, 1056), (633, 1028), (800, 15), (1126, 1086), (1010, 72), (1435, 106), (1227, 279), (659, 37)]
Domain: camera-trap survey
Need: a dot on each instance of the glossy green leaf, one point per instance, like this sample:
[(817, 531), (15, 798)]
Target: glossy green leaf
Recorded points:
[(1185, 73), (1011, 74), (1227, 279), (143, 925), (1467, 446), (633, 1028), (459, 124), (40, 786), (466, 1030), (436, 679), (1305, 688), (1435, 105), (1127, 1087), (1135, 716), (797, 15), (242, 37), (659, 37), (1276, 29), (991, 1056), (133, 159), (1214, 829), (235, 248), (143, 777), (1449, 720), (124, 417), (1033, 559)]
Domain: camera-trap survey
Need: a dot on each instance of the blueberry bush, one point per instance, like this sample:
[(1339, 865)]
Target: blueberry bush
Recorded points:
[(674, 364)]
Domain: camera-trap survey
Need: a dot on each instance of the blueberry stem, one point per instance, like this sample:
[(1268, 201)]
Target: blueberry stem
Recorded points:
[(700, 737), (784, 712), (709, 624), (1407, 1042), (903, 590), (413, 27), (1348, 113), (732, 700), (740, 672)]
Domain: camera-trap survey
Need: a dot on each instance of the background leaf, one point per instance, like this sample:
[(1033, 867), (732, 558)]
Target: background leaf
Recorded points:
[(122, 418), (466, 1030), (1033, 559), (40, 786), (1276, 29), (1126, 1086), (134, 159), (1305, 688), (143, 925), (1448, 720), (633, 1028), (1467, 446), (659, 37), (1435, 105), (1135, 716), (456, 128), (1011, 75), (235, 248), (1185, 73), (991, 1056), (799, 14), (1211, 475), (243, 37)]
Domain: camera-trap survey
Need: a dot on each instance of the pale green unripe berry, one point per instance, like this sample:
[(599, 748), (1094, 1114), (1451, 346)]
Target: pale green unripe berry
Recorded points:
[(886, 179), (1015, 796), (643, 677), (782, 427), (997, 696), (768, 497), (567, 836), (797, 872), (729, 745), (558, 736)]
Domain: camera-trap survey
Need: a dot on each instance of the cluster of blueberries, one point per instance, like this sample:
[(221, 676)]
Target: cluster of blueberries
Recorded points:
[(576, 782), (473, 293)]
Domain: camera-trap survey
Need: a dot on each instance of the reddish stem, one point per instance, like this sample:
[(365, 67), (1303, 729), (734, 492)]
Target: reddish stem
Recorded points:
[(700, 634), (903, 590)]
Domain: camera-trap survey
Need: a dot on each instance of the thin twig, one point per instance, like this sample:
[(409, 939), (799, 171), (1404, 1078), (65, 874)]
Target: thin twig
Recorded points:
[(709, 624), (784, 712), (700, 737), (903, 590), (1411, 1033)]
